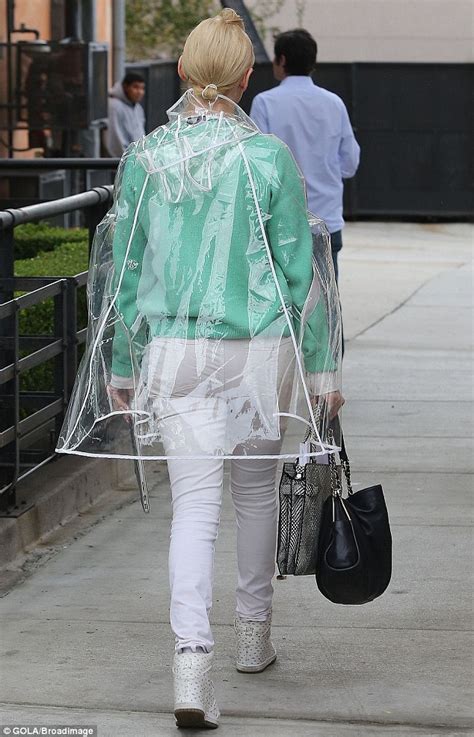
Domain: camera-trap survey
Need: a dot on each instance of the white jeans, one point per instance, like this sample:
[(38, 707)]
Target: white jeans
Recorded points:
[(196, 491), (196, 488)]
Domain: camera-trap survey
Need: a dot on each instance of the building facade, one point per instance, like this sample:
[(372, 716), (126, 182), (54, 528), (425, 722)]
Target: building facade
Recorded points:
[(384, 30), (48, 20)]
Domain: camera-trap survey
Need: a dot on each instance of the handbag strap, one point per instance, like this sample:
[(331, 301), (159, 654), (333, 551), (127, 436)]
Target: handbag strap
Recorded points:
[(336, 484), (334, 428), (334, 424)]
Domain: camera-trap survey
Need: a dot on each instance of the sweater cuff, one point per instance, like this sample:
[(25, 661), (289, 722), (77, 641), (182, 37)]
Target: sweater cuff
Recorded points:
[(122, 382), (323, 382)]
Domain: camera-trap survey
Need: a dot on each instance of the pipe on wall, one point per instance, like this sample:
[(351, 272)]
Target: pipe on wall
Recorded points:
[(89, 24), (118, 51)]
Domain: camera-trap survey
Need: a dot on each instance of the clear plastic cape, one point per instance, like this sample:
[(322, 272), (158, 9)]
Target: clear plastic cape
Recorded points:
[(213, 308)]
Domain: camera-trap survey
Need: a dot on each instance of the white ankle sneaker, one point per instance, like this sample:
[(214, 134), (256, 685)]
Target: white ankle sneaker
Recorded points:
[(255, 650), (194, 700)]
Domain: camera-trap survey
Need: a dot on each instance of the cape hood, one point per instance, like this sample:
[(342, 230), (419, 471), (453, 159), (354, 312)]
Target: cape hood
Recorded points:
[(191, 152)]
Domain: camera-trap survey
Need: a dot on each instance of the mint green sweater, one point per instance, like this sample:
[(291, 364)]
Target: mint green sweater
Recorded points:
[(177, 246)]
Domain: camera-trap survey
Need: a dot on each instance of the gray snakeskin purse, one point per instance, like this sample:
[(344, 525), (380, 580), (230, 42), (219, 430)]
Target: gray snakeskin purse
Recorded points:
[(302, 493)]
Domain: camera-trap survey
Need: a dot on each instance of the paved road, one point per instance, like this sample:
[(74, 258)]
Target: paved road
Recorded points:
[(85, 638)]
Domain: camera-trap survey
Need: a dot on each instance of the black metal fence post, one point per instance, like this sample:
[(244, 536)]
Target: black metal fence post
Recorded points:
[(7, 347), (7, 260), (11, 497), (71, 336), (61, 361), (11, 458)]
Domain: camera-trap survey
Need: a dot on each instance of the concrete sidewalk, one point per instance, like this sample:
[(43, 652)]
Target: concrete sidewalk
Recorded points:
[(86, 638)]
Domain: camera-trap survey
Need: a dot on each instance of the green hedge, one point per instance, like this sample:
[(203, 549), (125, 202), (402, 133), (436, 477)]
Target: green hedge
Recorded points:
[(66, 260), (32, 238)]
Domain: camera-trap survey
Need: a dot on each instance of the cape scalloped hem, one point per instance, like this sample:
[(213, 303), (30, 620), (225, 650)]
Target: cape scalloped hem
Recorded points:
[(325, 447), (281, 456)]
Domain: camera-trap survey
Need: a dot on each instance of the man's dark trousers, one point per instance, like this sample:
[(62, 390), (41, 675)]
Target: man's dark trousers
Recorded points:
[(336, 245)]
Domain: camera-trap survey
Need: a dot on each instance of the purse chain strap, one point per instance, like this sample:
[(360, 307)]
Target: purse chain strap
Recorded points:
[(336, 484)]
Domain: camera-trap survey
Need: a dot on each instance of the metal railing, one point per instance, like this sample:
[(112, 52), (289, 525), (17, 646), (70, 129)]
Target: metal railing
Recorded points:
[(35, 181), (79, 164), (31, 420)]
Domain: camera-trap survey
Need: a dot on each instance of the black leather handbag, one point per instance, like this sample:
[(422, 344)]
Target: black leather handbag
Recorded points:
[(354, 551)]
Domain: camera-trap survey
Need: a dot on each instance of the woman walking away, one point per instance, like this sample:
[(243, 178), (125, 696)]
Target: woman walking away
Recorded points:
[(214, 332)]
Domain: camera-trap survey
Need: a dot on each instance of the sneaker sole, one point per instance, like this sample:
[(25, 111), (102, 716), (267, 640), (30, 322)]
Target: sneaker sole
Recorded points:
[(255, 668), (193, 718)]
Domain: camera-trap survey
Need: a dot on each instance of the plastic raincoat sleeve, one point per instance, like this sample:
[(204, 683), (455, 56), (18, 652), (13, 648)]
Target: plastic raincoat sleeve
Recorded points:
[(129, 243), (291, 242)]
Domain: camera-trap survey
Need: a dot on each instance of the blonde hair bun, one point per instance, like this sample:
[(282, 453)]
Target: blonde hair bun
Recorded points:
[(230, 16), (217, 54), (209, 92)]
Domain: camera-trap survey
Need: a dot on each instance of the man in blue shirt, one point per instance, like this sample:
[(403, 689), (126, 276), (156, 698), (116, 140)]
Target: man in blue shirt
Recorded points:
[(314, 124)]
